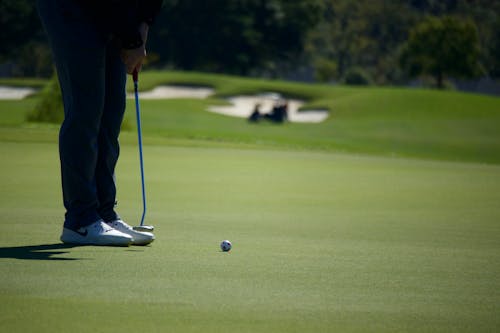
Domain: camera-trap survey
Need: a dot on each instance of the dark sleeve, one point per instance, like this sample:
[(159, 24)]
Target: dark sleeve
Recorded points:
[(126, 25), (148, 10), (123, 17)]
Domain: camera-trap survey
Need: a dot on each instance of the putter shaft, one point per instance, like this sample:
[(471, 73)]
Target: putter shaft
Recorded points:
[(139, 137)]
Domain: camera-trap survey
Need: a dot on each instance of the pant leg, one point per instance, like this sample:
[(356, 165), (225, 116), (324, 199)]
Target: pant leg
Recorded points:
[(109, 149), (79, 52)]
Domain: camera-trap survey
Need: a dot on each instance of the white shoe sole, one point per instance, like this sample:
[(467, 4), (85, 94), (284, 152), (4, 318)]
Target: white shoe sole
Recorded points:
[(69, 236), (143, 242), (140, 238)]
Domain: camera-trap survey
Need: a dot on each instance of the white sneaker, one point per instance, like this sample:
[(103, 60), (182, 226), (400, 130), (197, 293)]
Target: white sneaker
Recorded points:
[(98, 233), (140, 237)]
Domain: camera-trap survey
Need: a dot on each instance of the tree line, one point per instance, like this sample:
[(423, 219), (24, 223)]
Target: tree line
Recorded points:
[(358, 42)]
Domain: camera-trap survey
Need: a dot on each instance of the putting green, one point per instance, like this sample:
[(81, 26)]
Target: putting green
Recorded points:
[(321, 242)]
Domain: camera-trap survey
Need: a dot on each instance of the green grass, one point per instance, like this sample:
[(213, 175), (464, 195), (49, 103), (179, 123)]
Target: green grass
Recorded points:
[(423, 124), (440, 125), (23, 82), (321, 241), (353, 225), (13, 112)]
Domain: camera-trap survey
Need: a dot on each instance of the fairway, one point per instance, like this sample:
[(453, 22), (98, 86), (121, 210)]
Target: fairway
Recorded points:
[(322, 242), (303, 166)]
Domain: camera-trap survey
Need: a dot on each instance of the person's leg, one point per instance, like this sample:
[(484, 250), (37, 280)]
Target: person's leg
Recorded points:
[(79, 50), (109, 149)]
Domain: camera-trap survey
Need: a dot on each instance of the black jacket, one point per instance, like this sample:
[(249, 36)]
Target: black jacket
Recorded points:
[(122, 17)]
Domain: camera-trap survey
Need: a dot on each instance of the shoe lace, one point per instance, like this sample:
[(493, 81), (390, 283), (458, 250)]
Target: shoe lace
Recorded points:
[(122, 223), (103, 226)]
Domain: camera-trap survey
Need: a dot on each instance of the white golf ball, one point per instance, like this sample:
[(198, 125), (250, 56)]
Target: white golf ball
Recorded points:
[(225, 245)]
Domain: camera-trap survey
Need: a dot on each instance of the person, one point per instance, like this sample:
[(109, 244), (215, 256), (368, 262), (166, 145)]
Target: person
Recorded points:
[(279, 113), (94, 45), (256, 115)]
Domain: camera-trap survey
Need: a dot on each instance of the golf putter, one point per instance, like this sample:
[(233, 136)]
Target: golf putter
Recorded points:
[(141, 227)]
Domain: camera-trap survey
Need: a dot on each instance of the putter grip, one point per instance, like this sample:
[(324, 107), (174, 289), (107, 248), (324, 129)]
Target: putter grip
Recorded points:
[(135, 75)]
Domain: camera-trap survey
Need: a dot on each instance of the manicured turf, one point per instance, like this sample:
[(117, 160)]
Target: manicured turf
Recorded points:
[(334, 227), (444, 125), (321, 242), (441, 125)]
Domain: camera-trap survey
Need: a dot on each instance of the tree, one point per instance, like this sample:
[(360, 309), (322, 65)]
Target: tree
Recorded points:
[(495, 54), (361, 34), (486, 16), (22, 41), (442, 47), (232, 36), (19, 21)]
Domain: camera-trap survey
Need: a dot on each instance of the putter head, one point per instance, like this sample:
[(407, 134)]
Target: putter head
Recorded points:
[(146, 228)]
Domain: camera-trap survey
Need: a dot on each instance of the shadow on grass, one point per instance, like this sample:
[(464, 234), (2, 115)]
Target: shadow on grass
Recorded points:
[(36, 252)]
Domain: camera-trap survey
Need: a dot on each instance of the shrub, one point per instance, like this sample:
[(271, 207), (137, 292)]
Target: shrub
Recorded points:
[(325, 69), (357, 76), (49, 109)]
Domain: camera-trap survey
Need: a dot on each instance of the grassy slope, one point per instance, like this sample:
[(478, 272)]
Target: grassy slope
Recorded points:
[(390, 122), (23, 82), (322, 242), (387, 121), (417, 123)]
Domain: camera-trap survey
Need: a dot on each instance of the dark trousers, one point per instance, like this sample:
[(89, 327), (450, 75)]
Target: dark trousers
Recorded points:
[(92, 78)]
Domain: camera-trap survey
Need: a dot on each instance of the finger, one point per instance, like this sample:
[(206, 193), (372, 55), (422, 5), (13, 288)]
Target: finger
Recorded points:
[(130, 63), (138, 68), (133, 59), (135, 65), (130, 67)]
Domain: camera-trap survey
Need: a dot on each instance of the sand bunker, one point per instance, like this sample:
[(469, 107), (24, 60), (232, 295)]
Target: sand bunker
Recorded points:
[(167, 92), (243, 106), (15, 92)]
